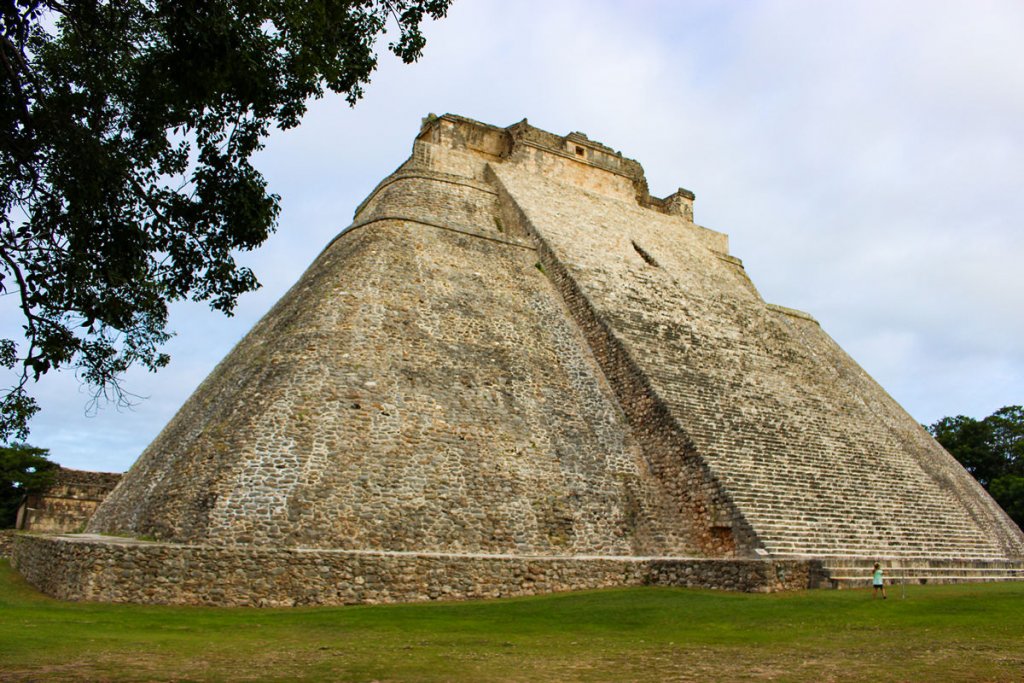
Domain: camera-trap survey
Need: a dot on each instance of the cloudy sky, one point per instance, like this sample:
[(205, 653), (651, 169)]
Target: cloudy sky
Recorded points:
[(866, 159)]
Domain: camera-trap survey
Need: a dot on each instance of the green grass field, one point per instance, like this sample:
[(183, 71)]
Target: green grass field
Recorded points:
[(938, 633)]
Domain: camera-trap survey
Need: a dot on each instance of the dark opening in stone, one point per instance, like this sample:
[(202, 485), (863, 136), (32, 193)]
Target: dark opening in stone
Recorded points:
[(644, 255)]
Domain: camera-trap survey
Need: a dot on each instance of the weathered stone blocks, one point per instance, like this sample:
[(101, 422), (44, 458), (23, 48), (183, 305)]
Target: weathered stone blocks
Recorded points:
[(118, 570), (67, 503), (517, 371)]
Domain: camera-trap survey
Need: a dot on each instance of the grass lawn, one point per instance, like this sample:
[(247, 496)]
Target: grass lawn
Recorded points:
[(938, 633)]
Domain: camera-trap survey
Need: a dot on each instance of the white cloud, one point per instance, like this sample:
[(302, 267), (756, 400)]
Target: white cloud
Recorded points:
[(865, 158)]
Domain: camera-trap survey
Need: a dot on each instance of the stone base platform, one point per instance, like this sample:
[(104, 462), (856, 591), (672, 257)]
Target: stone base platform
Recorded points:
[(855, 572), (6, 542), (113, 569)]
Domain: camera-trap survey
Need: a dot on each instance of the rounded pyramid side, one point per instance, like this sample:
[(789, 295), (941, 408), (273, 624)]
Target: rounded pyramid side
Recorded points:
[(169, 491), (420, 388)]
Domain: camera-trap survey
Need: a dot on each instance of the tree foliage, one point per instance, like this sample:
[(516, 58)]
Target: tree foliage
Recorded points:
[(127, 131), (992, 450), (23, 469)]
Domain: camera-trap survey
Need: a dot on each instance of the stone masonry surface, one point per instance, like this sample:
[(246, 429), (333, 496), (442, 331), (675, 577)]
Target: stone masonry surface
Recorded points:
[(68, 503), (6, 542), (816, 457), (516, 358), (114, 570)]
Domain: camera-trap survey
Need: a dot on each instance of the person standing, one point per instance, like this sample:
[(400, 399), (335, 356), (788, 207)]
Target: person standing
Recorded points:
[(878, 583)]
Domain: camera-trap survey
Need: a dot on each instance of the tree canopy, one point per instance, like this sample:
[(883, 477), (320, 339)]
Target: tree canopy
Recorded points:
[(992, 450), (127, 131), (23, 469)]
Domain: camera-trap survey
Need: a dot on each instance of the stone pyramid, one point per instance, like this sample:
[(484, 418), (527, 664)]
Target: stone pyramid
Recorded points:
[(518, 371)]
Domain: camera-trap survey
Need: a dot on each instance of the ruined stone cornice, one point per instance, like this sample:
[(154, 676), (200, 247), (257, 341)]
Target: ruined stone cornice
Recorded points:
[(601, 157), (463, 230), (420, 174)]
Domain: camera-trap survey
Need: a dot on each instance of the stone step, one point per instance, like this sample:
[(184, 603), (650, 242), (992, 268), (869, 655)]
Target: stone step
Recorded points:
[(807, 532), (917, 568), (845, 582), (781, 538), (819, 470), (801, 504), (785, 525), (909, 562), (875, 541), (850, 487), (904, 544), (843, 535), (855, 572), (893, 578), (923, 508), (798, 551)]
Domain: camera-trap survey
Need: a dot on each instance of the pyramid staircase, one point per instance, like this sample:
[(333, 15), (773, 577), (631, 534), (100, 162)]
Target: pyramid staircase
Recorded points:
[(855, 572)]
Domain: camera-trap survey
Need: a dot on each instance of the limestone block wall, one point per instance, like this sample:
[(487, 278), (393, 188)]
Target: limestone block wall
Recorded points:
[(112, 570), (421, 388), (688, 488), (517, 363), (6, 542), (915, 481), (68, 503), (815, 458)]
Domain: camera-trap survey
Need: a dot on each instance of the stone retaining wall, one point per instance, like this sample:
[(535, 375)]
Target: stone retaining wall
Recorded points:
[(517, 372), (123, 570), (6, 542), (67, 503)]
